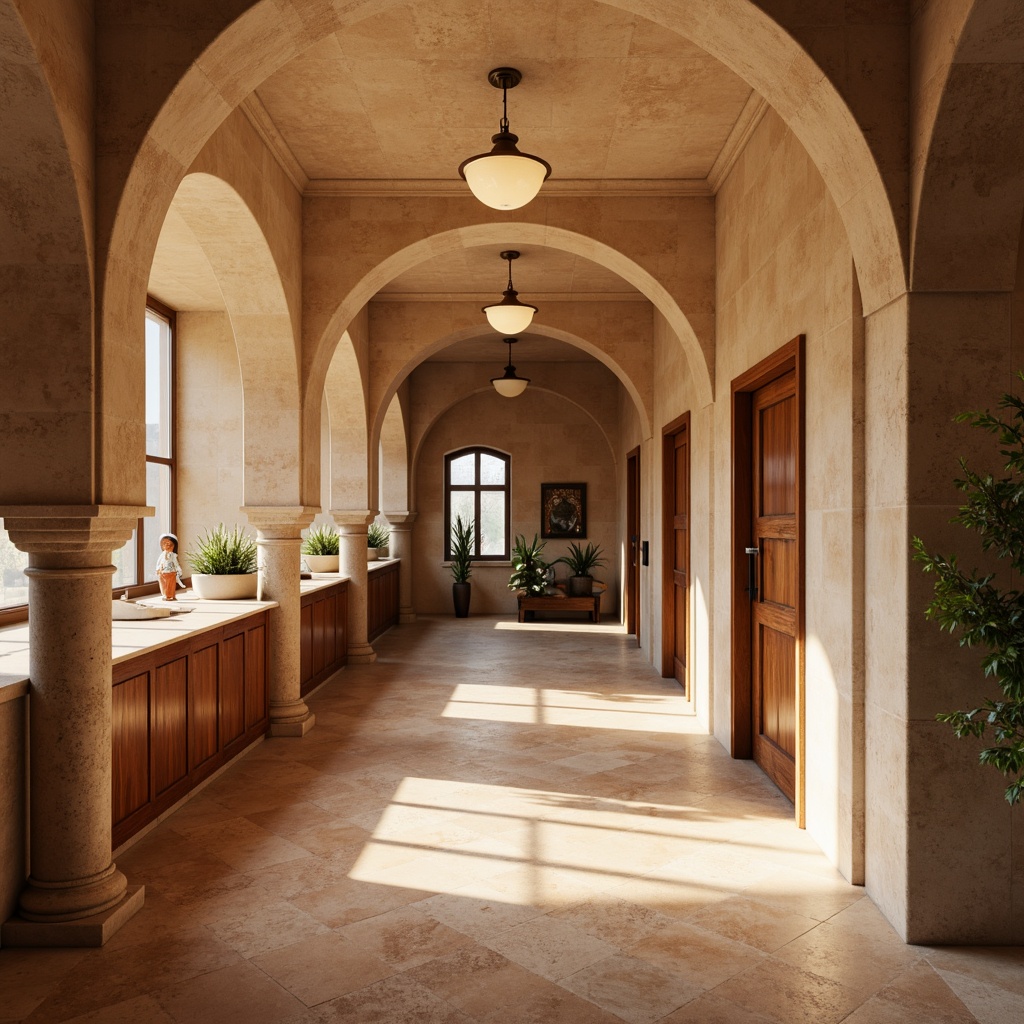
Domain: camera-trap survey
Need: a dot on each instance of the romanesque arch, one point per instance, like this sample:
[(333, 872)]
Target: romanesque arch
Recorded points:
[(48, 424), (192, 92), (255, 302), (968, 173)]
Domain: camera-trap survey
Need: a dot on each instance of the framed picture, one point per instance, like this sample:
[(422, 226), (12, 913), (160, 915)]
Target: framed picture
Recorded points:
[(563, 510)]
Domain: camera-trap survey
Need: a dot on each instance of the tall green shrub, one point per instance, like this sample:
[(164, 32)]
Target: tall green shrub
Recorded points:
[(977, 608)]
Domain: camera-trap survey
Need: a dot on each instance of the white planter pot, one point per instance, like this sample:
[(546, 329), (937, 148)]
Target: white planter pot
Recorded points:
[(372, 554), (322, 563), (224, 588)]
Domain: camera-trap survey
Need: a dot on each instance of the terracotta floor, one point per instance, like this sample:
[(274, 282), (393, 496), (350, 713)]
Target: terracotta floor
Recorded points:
[(507, 824)]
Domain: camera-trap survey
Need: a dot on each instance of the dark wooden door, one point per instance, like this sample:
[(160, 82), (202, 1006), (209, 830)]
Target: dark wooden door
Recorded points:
[(676, 590), (633, 543), (774, 550)]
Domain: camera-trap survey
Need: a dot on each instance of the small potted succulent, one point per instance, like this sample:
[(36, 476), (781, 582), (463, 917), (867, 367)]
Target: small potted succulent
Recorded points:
[(580, 562), (529, 570), (224, 565), (461, 566), (377, 538), (320, 549)]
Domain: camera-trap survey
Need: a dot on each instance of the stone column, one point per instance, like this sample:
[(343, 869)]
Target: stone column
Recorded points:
[(352, 527), (279, 539), (75, 896), (401, 547)]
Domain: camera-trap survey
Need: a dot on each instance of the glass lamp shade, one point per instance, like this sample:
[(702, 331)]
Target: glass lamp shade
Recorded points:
[(510, 385), (510, 316), (505, 179)]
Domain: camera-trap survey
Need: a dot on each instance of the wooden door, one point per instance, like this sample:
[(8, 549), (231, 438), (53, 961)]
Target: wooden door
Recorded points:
[(633, 543), (676, 576), (774, 553)]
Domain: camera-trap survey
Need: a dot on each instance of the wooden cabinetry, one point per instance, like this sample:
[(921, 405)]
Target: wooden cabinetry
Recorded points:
[(180, 712), (323, 634), (382, 598)]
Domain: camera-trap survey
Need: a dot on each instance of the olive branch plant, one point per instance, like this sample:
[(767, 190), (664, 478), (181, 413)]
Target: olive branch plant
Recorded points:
[(976, 608)]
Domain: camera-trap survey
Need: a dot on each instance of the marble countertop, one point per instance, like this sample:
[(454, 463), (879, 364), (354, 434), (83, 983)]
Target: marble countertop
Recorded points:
[(130, 638)]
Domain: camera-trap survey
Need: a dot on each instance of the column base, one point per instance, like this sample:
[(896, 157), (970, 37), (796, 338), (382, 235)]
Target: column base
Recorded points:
[(294, 729), (290, 718), (406, 615), (361, 654), (84, 932)]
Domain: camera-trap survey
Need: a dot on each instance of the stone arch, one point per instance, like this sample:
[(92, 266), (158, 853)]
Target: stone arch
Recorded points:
[(532, 234), (642, 408), (394, 456), (254, 299), (968, 184), (419, 441), (48, 418), (353, 471), (195, 91)]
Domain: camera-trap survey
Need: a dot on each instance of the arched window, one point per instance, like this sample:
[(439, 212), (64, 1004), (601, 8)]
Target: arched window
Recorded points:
[(476, 487)]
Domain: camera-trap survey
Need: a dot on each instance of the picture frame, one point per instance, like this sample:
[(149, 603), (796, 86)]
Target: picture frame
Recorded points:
[(563, 510)]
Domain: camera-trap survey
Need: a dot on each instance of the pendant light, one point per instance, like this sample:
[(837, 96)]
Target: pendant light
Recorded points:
[(509, 385), (510, 316), (504, 179)]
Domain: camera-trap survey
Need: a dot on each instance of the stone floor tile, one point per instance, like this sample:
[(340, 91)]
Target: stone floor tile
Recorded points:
[(711, 1008), (756, 924), (404, 938), (787, 995), (919, 993), (351, 900), (234, 995), (322, 968), (552, 948), (703, 958), (477, 916), (618, 922), (393, 1000), (632, 989), (130, 1011)]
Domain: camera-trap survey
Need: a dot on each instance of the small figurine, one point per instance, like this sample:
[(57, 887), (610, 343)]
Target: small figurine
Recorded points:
[(168, 569)]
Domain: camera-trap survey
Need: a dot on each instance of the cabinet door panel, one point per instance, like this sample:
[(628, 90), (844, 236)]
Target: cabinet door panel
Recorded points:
[(168, 728), (130, 731), (232, 689), (203, 705)]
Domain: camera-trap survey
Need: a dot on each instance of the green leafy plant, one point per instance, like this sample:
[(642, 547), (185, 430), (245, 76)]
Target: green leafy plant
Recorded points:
[(972, 605), (219, 553), (321, 540), (377, 536), (462, 551), (581, 560), (529, 570)]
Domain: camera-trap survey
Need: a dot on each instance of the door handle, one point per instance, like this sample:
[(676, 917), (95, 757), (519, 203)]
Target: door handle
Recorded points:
[(752, 554), (644, 552)]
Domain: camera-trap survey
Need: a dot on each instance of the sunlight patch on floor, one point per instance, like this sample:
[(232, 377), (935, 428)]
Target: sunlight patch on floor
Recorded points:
[(525, 704), (536, 847)]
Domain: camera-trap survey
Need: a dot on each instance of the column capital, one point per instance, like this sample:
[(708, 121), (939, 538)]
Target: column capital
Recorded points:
[(60, 535), (401, 520), (280, 522), (353, 520)]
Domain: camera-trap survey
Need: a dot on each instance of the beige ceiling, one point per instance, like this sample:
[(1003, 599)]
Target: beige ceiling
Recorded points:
[(605, 94), (403, 96), (481, 273)]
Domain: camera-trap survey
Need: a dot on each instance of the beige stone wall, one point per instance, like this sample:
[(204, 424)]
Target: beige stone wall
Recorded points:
[(550, 439), (786, 268), (13, 803), (209, 419)]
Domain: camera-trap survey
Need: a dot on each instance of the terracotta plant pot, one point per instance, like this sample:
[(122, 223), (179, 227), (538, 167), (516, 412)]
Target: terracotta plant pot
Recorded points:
[(225, 588), (372, 554)]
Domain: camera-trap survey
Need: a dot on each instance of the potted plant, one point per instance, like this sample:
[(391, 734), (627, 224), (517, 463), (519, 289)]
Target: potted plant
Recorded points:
[(377, 537), (224, 565), (580, 561), (984, 609), (529, 570), (461, 566), (320, 549)]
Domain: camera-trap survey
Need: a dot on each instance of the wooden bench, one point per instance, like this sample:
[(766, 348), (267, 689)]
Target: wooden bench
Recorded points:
[(555, 603)]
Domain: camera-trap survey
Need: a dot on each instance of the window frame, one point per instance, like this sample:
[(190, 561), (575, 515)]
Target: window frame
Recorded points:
[(477, 488), (142, 586)]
